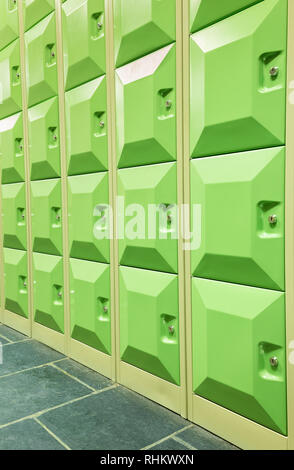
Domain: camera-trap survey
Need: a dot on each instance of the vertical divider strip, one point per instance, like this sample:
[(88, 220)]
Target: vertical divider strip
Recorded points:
[(289, 226), (186, 191), (63, 163), (113, 174), (111, 178), (26, 163)]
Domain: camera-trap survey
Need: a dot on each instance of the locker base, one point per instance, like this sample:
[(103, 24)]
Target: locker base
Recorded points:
[(90, 357), (51, 338), (154, 388), (16, 322), (234, 428)]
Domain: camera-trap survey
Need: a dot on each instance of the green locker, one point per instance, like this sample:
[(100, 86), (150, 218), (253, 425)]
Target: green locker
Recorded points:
[(36, 10), (14, 216), (238, 73), (10, 80), (141, 27), (44, 140), (41, 62), (15, 281), (146, 109), (8, 22), (140, 186), (90, 304), (87, 200), (239, 350), (149, 322), (203, 13), (242, 223), (87, 144), (46, 216), (48, 291), (12, 149), (83, 41)]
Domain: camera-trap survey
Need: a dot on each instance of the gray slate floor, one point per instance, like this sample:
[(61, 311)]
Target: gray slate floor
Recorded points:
[(51, 402)]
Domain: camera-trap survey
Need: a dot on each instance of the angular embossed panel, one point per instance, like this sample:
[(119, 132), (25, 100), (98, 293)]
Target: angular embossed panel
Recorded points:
[(90, 304), (238, 194), (41, 61), (48, 291), (234, 84), (8, 22), (44, 140), (206, 12), (88, 198), (149, 322), (157, 185), (46, 216), (14, 215), (12, 149), (35, 10), (146, 109), (142, 27), (16, 278), (10, 90), (87, 143), (236, 331), (83, 41)]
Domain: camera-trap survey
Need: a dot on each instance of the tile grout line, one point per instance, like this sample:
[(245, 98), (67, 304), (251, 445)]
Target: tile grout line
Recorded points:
[(29, 368), (40, 413), (73, 377), (16, 342), (4, 337), (52, 434), (181, 441), (168, 437)]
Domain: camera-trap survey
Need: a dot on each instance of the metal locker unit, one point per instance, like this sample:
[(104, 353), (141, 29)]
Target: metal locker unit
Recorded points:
[(237, 168)]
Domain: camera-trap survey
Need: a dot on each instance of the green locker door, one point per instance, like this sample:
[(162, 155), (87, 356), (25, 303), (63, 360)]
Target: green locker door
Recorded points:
[(10, 80), (14, 216), (149, 322), (83, 41), (41, 61), (16, 280), (8, 22), (150, 239), (90, 304), (238, 72), (242, 222), (87, 150), (141, 27), (146, 109), (47, 216), (44, 140), (36, 10), (88, 216), (48, 291), (12, 149), (239, 350)]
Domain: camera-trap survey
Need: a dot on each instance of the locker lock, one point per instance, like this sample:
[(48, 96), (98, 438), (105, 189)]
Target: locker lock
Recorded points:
[(101, 124), (17, 75), (105, 309), (171, 329), (274, 71), (274, 362), (272, 219), (55, 137), (99, 26), (59, 294), (168, 104)]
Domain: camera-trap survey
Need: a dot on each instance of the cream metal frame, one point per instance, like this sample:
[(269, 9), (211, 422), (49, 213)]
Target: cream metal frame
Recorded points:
[(231, 426)]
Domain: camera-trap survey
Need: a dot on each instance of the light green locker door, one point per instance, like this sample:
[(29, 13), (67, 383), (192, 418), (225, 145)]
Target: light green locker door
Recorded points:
[(14, 216), (8, 22), (149, 322), (12, 149), (35, 10), (141, 27), (238, 72), (10, 80), (146, 109), (16, 282), (90, 304), (239, 350)]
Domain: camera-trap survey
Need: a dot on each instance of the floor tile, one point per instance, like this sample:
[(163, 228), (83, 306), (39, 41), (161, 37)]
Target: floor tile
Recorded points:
[(116, 419), (204, 440), (34, 390), (11, 334), (27, 435), (169, 444), (84, 374), (21, 356)]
